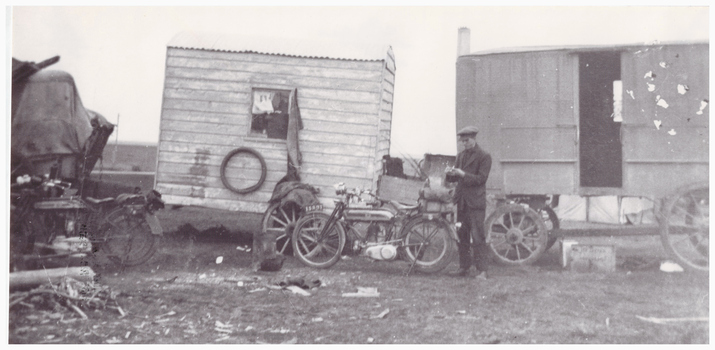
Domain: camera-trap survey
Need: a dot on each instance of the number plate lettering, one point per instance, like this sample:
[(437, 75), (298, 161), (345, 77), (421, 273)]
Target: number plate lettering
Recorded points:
[(315, 207)]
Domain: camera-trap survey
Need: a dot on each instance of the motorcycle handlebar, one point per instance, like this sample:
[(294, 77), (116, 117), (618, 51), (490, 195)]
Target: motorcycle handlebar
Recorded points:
[(27, 180)]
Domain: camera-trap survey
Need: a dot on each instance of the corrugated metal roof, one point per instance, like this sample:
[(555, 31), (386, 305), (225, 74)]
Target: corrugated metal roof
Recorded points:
[(525, 49), (280, 46)]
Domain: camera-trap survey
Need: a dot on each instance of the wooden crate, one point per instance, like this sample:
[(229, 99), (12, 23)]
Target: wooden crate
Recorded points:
[(402, 190), (591, 258)]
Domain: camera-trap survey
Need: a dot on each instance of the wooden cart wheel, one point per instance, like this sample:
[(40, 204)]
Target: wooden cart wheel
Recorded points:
[(516, 235), (281, 219), (551, 220), (684, 227)]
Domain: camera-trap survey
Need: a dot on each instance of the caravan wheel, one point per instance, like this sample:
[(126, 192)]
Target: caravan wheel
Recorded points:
[(684, 228), (516, 235)]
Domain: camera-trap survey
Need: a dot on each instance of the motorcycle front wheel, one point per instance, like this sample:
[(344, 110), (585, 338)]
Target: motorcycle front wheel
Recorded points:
[(128, 240), (428, 244), (316, 248)]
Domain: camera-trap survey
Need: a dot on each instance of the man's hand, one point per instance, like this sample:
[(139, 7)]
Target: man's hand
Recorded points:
[(455, 171), (458, 172)]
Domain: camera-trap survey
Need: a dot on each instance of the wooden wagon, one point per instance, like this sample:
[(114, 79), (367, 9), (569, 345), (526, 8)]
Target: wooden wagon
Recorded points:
[(626, 120)]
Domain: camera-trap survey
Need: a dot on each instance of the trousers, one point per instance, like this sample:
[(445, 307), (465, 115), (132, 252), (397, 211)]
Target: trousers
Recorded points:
[(472, 244)]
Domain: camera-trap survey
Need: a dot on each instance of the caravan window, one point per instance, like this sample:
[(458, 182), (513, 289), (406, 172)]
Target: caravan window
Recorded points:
[(269, 113)]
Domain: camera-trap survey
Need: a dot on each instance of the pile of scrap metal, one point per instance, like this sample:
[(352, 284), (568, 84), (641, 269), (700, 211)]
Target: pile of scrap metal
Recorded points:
[(50, 126)]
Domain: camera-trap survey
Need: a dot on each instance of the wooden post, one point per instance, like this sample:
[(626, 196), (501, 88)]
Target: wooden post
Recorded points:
[(34, 278)]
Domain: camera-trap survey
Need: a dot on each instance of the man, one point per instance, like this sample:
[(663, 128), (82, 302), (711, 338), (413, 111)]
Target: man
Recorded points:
[(471, 171)]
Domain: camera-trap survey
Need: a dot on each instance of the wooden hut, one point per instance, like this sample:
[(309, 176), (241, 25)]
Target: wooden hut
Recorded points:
[(213, 88), (624, 120)]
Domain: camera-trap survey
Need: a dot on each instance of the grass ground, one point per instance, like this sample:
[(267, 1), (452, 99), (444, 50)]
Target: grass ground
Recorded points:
[(183, 296)]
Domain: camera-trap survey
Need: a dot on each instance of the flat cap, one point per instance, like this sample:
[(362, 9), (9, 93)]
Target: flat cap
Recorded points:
[(468, 130)]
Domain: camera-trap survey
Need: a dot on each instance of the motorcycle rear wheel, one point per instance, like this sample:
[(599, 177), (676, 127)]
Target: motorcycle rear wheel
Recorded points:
[(128, 240), (428, 244)]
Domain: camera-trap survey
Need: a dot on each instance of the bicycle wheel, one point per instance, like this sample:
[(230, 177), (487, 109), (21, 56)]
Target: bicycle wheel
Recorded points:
[(685, 226), (282, 221), (127, 238), (516, 235), (428, 244), (313, 248), (243, 170), (24, 231)]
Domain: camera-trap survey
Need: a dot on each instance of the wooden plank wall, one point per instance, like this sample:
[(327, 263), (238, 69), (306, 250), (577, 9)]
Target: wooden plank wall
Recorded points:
[(667, 84), (206, 114), (526, 106), (522, 105), (384, 129)]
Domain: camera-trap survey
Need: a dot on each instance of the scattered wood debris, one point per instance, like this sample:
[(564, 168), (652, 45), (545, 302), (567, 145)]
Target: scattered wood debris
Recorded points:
[(381, 315), (672, 320), (298, 290), (69, 295), (363, 292)]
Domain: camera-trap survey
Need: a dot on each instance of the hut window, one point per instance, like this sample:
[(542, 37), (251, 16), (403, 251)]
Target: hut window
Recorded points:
[(617, 101), (269, 113)]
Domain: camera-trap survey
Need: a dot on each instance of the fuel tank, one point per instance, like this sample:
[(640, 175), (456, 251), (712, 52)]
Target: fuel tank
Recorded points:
[(368, 214), (60, 204)]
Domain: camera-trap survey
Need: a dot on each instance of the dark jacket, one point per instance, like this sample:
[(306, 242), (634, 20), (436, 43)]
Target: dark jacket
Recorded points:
[(472, 188)]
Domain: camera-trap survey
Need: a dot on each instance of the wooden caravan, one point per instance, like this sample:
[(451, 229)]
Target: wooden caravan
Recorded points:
[(223, 93), (622, 121)]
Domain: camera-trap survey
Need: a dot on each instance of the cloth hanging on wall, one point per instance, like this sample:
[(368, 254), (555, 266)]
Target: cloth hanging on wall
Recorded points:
[(295, 124)]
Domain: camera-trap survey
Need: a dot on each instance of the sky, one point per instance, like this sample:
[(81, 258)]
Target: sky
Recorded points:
[(117, 54)]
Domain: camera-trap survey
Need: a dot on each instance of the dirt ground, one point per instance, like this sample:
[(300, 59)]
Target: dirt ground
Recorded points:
[(182, 295)]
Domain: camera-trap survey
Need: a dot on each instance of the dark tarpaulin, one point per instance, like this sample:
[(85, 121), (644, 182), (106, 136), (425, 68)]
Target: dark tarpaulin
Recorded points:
[(295, 192), (49, 120), (22, 70), (289, 188)]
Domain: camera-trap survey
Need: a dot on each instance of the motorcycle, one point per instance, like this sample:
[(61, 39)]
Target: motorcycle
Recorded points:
[(49, 221), (379, 229)]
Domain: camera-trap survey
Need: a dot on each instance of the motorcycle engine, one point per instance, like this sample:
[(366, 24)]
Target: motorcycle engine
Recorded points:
[(381, 252), (376, 233)]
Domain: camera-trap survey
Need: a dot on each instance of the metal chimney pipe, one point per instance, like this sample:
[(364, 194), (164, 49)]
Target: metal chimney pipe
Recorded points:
[(463, 41)]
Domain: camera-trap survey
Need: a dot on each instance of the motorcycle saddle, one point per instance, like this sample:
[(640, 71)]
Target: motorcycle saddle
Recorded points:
[(99, 200), (130, 198), (403, 207)]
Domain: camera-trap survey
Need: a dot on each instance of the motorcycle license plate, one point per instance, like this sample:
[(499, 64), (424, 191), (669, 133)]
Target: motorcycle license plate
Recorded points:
[(314, 207), (154, 224)]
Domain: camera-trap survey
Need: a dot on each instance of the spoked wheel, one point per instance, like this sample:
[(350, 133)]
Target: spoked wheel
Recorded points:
[(128, 240), (685, 225), (316, 248), (516, 235), (552, 223), (281, 220), (428, 244)]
